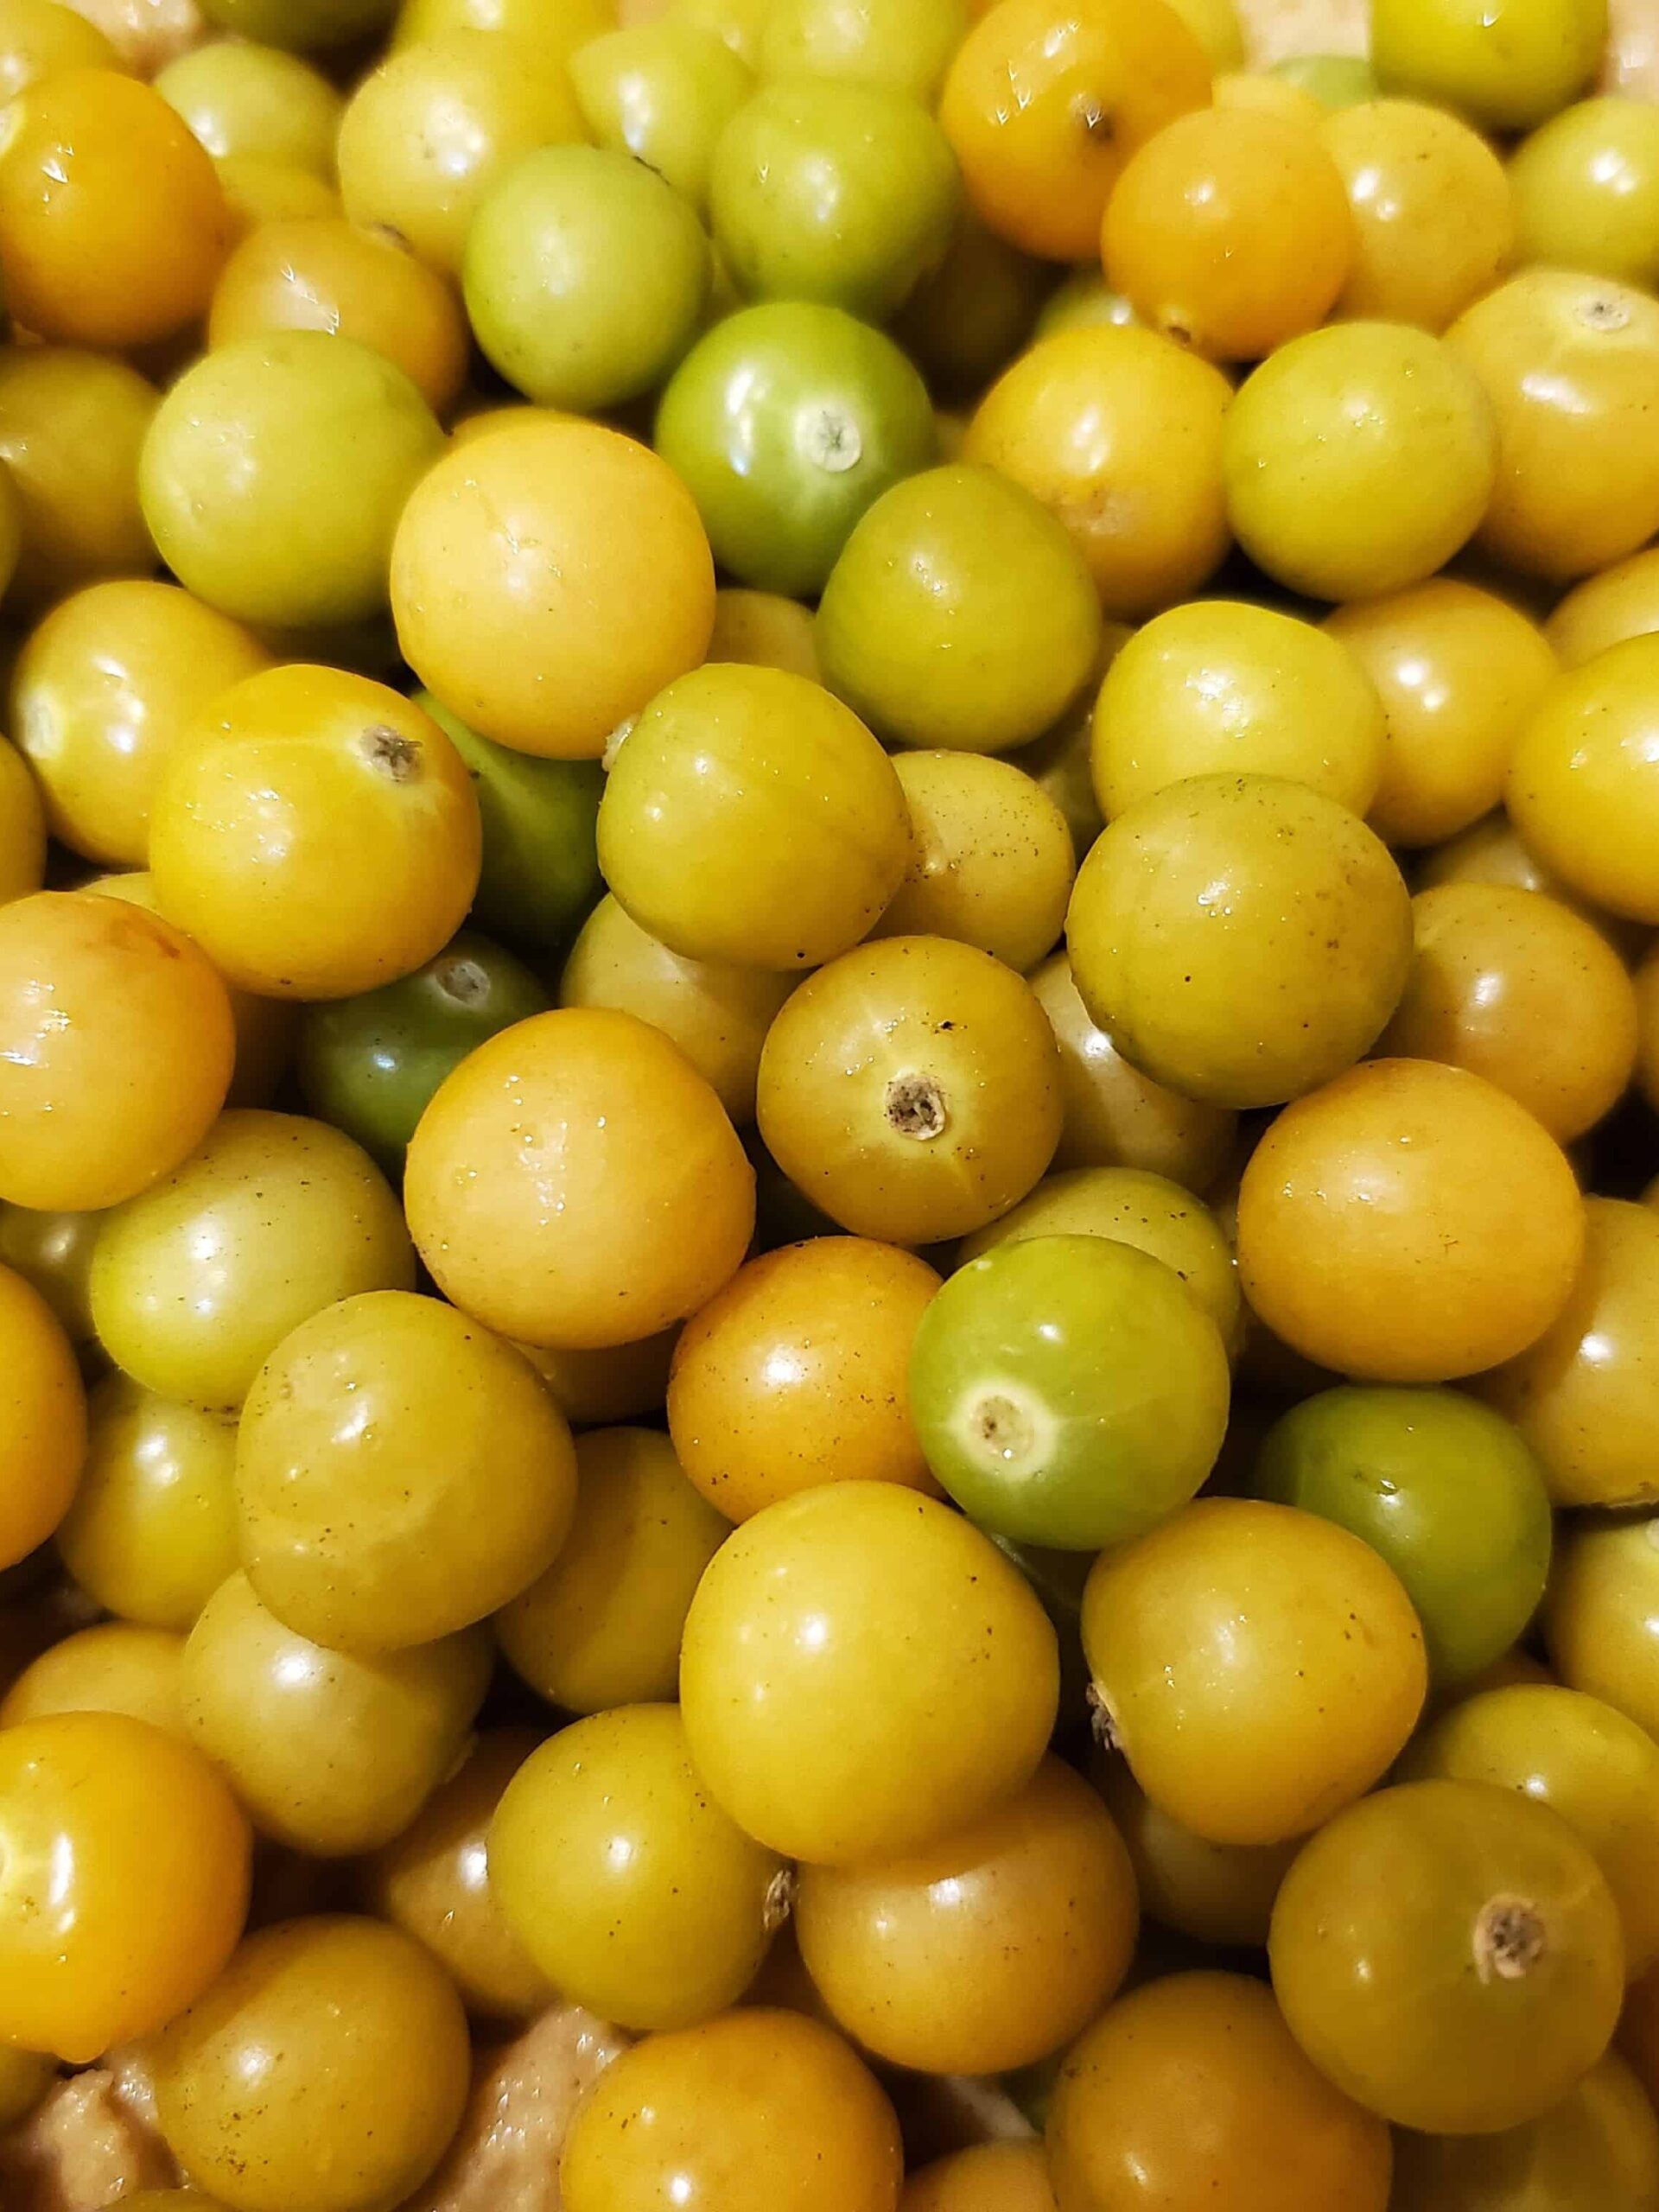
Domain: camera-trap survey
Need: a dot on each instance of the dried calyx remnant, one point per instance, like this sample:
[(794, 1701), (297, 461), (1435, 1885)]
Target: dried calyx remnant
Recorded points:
[(1001, 1426), (780, 1899), (1509, 1939), (916, 1107), (397, 757), (462, 980), (1101, 1724)]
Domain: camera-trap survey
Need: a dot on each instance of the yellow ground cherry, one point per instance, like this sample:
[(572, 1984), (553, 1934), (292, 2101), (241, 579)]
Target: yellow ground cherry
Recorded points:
[(912, 1089), (1584, 780), (1043, 103), (112, 221), (547, 582), (831, 1637), (1119, 432), (1258, 1667), (315, 833), (1621, 602), (42, 1419), (72, 425), (116, 1044), (116, 1667), (796, 1373), (576, 1183), (1409, 1222), (124, 1880), (1229, 231)]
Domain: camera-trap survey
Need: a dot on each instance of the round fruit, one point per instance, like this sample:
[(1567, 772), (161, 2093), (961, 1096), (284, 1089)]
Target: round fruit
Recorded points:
[(1507, 63), (42, 1420), (1598, 2146), (1584, 783)]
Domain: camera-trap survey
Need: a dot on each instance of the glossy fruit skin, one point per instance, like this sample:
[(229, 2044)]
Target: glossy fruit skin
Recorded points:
[(255, 101), (303, 24), (959, 614), (1449, 1954), (114, 1667), (345, 2001), (1600, 2145), (257, 191), (379, 846), (831, 190), (662, 91), (717, 1013), (895, 1125), (1597, 1769), (785, 421), (539, 873), (798, 1372), (602, 1627), (563, 28), (1358, 460), (1229, 231), (152, 1532), (101, 690), (38, 39), (618, 1382), (1432, 217), (116, 1044), (1313, 937), (400, 1473), (274, 473), (42, 1419), (540, 277), (1191, 2089), (96, 261), (1068, 1391), (1586, 188), (1249, 1702), (1525, 992), (126, 1880), (1446, 1492), (989, 2177), (71, 428), (1116, 1116), (991, 863), (333, 1755), (371, 1065), (1585, 1396), (269, 1221), (751, 818), (522, 552), (1566, 361), (1218, 686), (53, 1252), (323, 273), (753, 2109), (1118, 432), (434, 1881), (904, 43), (23, 827), (1506, 66), (1409, 1222), (1583, 790), (628, 1214), (632, 1891), (1220, 1894), (427, 133), (1458, 670), (829, 1750), (986, 1952), (1600, 1614), (1045, 104), (762, 630), (1621, 602)]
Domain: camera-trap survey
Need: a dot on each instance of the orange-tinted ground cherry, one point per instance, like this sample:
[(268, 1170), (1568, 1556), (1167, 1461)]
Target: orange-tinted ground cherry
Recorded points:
[(42, 1420)]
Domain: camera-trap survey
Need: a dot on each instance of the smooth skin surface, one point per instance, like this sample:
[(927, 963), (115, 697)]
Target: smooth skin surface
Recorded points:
[(551, 545), (1258, 1667), (255, 100), (42, 1419), (1600, 2145), (1449, 1954), (662, 91), (1584, 784), (632, 1890), (400, 1473), (986, 1953), (1191, 2090), (116, 1667), (575, 1183), (753, 2112), (1217, 1893), (115, 1046), (124, 1880), (602, 1627), (271, 1219), (1409, 1222), (798, 1372), (1506, 63), (1587, 190), (72, 427), (1621, 602), (1601, 1618), (827, 1746), (342, 2000), (990, 2178)]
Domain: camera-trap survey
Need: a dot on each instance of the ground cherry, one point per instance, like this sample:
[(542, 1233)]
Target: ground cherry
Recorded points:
[(116, 1667), (116, 1043), (1409, 1222), (1598, 2146), (576, 1183), (1257, 1666), (42, 1419), (1584, 781), (1587, 190), (245, 99), (989, 2177), (1621, 602), (823, 1739), (124, 1880), (72, 425), (1216, 1893), (1508, 63), (1433, 224)]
